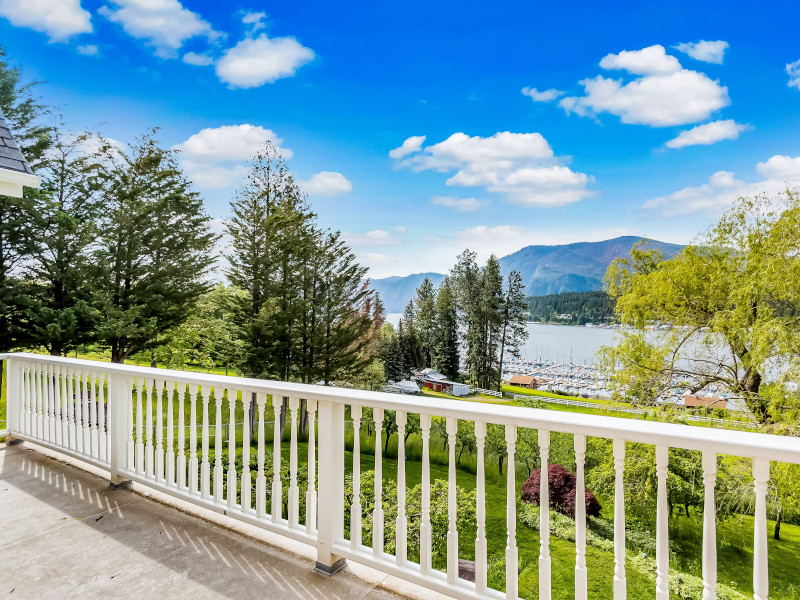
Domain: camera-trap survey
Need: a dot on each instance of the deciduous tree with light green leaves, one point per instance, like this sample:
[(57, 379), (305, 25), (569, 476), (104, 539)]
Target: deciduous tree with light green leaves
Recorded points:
[(733, 301)]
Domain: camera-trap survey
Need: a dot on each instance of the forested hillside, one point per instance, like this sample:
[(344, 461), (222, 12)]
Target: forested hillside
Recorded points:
[(583, 307)]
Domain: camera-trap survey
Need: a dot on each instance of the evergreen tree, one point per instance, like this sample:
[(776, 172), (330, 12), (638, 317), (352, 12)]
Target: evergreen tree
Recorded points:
[(446, 355), (409, 341), (491, 294), (424, 320), (25, 116), (466, 281), (393, 361), (62, 226), (514, 330), (154, 249)]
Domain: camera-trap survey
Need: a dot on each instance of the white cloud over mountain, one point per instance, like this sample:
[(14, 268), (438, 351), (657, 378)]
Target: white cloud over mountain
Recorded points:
[(716, 194), (520, 165), (709, 133), (705, 51), (59, 19), (164, 24), (662, 93)]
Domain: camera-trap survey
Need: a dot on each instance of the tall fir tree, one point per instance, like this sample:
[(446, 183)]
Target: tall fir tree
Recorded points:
[(446, 355), (28, 120), (410, 343), (491, 294), (514, 329), (63, 226), (155, 248), (424, 319)]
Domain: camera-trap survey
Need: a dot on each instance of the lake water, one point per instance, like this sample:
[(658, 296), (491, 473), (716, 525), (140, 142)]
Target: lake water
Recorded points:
[(557, 343)]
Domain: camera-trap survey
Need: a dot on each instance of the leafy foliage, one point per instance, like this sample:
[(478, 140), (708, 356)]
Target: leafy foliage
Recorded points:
[(562, 491)]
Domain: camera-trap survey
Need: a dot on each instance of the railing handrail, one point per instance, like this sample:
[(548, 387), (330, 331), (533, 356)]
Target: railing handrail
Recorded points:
[(722, 441)]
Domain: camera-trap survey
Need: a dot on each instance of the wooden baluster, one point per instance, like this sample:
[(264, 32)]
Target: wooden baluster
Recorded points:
[(94, 434), (377, 513), (25, 421), (57, 399), (65, 416), (219, 471), (425, 545), (73, 412), (149, 449), (194, 484), (451, 425), (205, 466), (760, 550), (181, 463), (39, 396), (620, 582), (294, 492), (139, 427), (709, 526), (85, 415), (247, 500), (261, 479), (46, 403), (545, 589), (311, 494), (512, 578), (480, 510), (581, 575), (170, 459), (232, 477), (277, 488), (401, 524), (130, 433), (101, 418), (159, 391), (355, 507), (662, 524)]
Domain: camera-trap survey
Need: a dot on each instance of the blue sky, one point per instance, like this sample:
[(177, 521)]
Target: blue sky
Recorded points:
[(543, 123)]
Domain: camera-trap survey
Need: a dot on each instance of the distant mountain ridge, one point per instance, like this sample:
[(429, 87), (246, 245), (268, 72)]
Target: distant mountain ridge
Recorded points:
[(577, 267)]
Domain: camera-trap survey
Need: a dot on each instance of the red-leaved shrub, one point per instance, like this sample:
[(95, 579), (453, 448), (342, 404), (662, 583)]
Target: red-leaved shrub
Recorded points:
[(562, 492)]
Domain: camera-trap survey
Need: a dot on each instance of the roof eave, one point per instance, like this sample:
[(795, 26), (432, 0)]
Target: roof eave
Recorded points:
[(12, 182)]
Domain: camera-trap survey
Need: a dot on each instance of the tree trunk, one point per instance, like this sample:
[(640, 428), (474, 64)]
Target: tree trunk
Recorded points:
[(117, 356), (386, 444), (778, 519), (251, 418), (284, 410), (500, 464)]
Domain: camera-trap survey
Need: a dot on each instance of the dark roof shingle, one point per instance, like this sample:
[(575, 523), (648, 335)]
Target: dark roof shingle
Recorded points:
[(11, 157)]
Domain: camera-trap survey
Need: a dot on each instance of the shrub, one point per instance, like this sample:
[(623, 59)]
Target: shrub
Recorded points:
[(562, 492)]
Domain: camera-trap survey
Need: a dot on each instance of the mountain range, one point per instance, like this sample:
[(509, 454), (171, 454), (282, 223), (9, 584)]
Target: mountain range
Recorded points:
[(577, 267)]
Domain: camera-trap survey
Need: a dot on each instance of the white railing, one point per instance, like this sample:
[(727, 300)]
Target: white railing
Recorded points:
[(488, 392), (123, 418)]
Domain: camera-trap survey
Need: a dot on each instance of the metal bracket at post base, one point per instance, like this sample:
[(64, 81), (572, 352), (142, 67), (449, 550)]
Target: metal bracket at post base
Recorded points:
[(119, 485), (330, 570)]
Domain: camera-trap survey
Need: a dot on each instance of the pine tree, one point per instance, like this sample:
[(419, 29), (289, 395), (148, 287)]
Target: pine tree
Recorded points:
[(409, 340), (154, 249), (425, 313), (514, 321), (63, 225), (25, 116), (446, 356), (491, 303)]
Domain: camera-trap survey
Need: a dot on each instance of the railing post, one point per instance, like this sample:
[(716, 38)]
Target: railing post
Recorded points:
[(13, 399), (118, 397), (331, 486)]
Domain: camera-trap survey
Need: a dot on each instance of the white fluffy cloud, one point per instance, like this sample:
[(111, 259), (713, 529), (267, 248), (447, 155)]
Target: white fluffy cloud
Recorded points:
[(709, 133), (460, 204), (652, 60), (780, 168), (375, 237), (411, 145), (327, 183), (543, 96), (713, 196), (256, 61), (520, 165), (59, 19), (213, 157), (164, 24), (793, 70), (710, 52), (662, 94), (198, 59)]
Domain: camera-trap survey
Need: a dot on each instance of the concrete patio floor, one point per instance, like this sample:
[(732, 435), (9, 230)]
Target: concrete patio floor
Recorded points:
[(65, 534)]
